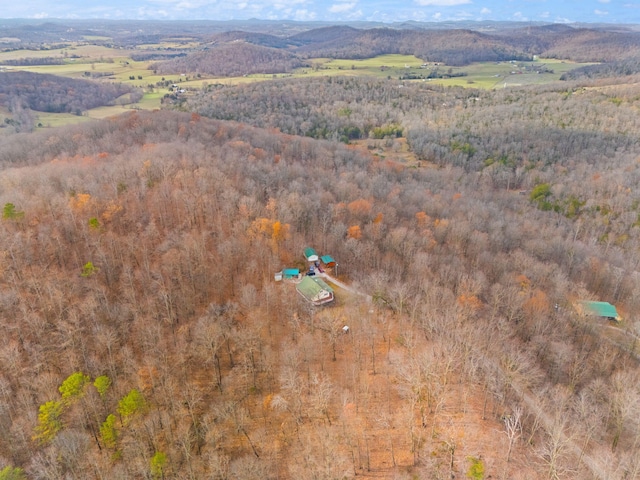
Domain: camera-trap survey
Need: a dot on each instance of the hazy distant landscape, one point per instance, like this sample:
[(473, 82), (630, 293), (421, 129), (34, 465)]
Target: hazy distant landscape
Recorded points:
[(470, 190)]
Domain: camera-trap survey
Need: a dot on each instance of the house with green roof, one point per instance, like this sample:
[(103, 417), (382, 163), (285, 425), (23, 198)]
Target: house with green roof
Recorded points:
[(310, 254), (315, 291), (599, 309)]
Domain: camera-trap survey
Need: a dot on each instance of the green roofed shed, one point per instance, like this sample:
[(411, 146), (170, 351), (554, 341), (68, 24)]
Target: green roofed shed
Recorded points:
[(310, 254), (328, 260), (315, 290), (600, 309), (289, 273)]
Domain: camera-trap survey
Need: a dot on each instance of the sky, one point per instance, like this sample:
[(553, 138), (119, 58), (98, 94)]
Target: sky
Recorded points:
[(552, 11)]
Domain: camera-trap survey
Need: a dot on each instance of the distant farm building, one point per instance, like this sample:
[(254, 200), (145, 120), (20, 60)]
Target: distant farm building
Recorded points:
[(315, 290), (328, 260), (288, 274), (310, 254), (598, 309)]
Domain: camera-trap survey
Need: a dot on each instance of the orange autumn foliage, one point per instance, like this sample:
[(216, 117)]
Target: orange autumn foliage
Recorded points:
[(354, 232), (470, 301), (422, 218), (80, 201), (360, 207), (111, 210), (274, 230)]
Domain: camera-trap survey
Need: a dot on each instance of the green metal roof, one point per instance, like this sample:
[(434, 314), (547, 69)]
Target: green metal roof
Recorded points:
[(310, 252), (312, 287), (290, 272), (326, 259), (601, 309)]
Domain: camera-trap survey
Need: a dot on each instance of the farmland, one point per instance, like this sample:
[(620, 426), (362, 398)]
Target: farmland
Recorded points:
[(84, 60)]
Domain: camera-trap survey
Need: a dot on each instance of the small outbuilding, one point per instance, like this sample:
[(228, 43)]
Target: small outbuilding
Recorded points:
[(315, 290), (599, 309), (310, 254), (291, 273), (328, 260)]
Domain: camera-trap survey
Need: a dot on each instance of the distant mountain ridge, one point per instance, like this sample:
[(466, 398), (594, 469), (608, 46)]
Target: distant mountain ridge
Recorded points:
[(455, 47)]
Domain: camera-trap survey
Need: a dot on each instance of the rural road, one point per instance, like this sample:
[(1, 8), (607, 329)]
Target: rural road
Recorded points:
[(344, 286)]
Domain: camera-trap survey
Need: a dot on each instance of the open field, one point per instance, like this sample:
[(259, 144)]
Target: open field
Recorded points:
[(78, 53), (486, 75), (108, 64), (52, 120)]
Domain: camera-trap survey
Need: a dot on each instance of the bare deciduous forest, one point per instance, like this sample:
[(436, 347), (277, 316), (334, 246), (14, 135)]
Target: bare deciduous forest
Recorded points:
[(146, 337)]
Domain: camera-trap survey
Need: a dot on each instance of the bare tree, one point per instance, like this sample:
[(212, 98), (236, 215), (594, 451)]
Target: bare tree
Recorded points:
[(513, 428)]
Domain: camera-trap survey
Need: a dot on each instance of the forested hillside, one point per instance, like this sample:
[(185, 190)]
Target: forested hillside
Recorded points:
[(233, 60), (145, 337), (243, 53), (52, 93)]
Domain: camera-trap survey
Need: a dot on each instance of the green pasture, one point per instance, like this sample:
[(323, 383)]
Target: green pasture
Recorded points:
[(486, 75), (380, 66), (52, 120), (85, 52)]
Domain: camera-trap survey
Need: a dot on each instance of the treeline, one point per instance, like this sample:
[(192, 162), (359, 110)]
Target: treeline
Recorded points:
[(622, 68), (51, 93), (32, 61), (233, 59), (156, 56), (144, 335)]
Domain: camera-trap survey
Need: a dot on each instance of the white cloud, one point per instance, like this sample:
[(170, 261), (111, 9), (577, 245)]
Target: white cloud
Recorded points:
[(280, 5), (518, 16), (304, 15), (604, 1), (342, 7), (189, 4), (437, 16), (40, 15), (355, 15), (600, 12), (441, 3), (485, 11)]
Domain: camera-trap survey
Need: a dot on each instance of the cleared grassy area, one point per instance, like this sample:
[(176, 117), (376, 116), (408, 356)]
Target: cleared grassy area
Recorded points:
[(84, 51), (150, 101), (492, 75), (479, 75), (109, 111), (381, 66), (52, 120)]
